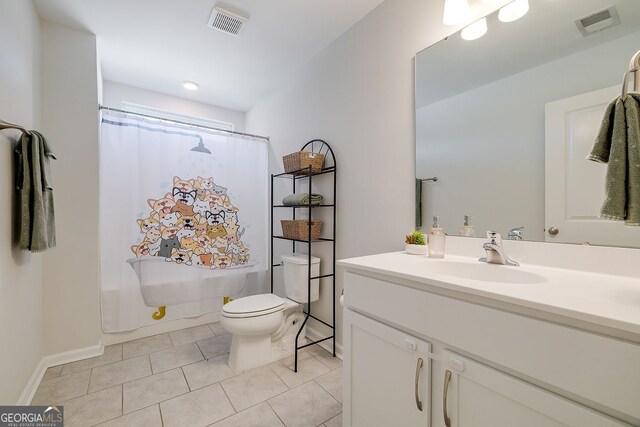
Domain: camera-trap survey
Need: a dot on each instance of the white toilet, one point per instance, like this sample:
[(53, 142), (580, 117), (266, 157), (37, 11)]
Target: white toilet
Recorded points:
[(264, 326)]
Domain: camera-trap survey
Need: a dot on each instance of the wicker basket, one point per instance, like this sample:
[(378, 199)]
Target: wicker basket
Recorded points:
[(299, 229), (299, 162)]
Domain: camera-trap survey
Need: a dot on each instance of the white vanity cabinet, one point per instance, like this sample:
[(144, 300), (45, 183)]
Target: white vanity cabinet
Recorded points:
[(506, 369), (390, 375), (476, 395)]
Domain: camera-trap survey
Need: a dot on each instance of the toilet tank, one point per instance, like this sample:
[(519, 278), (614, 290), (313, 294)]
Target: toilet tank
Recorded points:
[(296, 272)]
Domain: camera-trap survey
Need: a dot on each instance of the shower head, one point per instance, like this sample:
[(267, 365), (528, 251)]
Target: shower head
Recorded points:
[(200, 148)]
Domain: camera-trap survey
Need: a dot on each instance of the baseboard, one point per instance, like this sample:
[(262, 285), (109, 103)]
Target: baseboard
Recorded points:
[(32, 385), (313, 335), (55, 360)]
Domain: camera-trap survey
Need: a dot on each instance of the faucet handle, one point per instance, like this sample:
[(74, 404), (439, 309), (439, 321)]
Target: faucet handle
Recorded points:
[(494, 237), (516, 233)]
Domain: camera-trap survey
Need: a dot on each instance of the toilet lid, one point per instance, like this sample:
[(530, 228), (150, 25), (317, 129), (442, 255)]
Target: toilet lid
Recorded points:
[(254, 305)]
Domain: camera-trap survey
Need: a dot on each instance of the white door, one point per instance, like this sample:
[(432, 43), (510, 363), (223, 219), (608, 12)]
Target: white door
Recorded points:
[(574, 186), (479, 396), (387, 375)]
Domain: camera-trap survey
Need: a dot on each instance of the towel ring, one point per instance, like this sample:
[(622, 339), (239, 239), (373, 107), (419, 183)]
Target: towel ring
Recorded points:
[(634, 69)]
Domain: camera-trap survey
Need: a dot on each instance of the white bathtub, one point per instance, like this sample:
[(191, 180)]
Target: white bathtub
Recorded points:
[(168, 283)]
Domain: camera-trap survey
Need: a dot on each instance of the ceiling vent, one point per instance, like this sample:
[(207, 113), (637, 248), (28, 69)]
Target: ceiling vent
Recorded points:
[(598, 21), (225, 21)]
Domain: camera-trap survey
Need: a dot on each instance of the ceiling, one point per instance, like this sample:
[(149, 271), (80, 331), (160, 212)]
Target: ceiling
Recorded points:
[(157, 44)]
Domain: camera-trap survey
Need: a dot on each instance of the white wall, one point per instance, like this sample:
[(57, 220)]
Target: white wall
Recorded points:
[(21, 294), (487, 146), (358, 95), (70, 122), (115, 93)]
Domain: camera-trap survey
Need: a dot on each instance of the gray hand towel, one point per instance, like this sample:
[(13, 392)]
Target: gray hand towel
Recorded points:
[(33, 180), (618, 144), (302, 199)]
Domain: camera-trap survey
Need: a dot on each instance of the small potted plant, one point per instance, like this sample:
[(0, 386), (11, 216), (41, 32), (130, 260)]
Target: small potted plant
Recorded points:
[(416, 243)]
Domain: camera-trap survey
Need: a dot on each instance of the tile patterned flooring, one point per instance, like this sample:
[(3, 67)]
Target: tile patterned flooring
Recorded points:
[(182, 379)]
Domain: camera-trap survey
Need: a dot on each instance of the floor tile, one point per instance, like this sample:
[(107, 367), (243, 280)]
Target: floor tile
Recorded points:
[(154, 389), (118, 373), (260, 415), (174, 358), (305, 406), (147, 417), (146, 345), (53, 372), (325, 357), (93, 408), (198, 408), (253, 387), (55, 390), (218, 390), (112, 353), (208, 372), (334, 422), (332, 383), (189, 335), (217, 328), (215, 346), (308, 368)]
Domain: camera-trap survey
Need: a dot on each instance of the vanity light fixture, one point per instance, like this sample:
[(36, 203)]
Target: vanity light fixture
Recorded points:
[(188, 85), (475, 30), (456, 11), (514, 10)]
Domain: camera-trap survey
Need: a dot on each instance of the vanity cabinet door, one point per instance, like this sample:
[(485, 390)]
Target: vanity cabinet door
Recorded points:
[(476, 395), (388, 375)]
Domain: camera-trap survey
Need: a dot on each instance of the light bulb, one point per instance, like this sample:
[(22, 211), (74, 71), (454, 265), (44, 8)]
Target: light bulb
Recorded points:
[(514, 10), (475, 30), (491, 2), (455, 11)]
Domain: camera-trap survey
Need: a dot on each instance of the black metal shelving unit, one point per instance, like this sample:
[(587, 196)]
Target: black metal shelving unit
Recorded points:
[(315, 146)]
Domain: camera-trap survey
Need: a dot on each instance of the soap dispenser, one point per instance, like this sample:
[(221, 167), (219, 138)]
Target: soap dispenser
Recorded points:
[(467, 229), (436, 239)]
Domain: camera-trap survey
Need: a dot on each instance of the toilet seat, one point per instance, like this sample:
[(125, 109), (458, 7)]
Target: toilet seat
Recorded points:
[(253, 306)]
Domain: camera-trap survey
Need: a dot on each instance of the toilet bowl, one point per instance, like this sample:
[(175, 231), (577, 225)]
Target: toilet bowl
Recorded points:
[(263, 329)]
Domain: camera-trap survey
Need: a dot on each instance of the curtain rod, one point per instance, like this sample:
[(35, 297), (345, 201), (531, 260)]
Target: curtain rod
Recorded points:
[(250, 135)]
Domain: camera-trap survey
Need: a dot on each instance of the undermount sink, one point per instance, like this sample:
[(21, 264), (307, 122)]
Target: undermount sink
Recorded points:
[(484, 272)]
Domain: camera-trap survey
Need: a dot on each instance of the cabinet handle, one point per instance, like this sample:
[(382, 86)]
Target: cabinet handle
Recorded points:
[(417, 393), (447, 380)]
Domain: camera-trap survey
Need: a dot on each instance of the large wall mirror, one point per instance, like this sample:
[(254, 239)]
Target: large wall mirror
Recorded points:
[(505, 122)]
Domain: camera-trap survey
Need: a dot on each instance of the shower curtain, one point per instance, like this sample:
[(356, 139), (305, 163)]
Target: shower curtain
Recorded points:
[(187, 211)]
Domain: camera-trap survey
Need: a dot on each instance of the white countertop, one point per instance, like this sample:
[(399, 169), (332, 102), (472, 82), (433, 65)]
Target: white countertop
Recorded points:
[(602, 303)]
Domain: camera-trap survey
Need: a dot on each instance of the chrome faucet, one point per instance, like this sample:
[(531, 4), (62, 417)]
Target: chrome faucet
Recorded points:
[(516, 233), (495, 251)]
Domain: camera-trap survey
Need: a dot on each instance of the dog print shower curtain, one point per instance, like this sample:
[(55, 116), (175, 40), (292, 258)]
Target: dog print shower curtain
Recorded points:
[(183, 219)]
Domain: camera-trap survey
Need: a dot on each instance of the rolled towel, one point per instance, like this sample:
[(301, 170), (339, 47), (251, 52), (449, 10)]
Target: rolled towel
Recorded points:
[(302, 199)]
